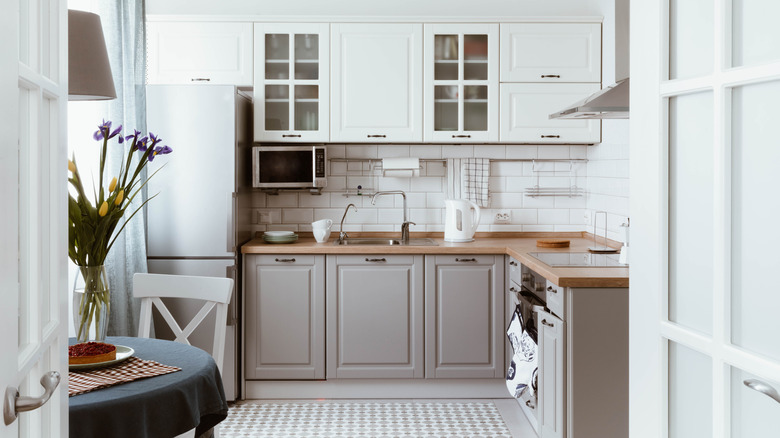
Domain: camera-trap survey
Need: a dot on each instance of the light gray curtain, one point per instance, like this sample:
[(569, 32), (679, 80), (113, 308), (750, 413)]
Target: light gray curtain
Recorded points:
[(124, 30)]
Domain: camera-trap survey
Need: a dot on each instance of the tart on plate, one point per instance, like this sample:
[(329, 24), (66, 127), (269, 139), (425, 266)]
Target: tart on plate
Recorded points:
[(90, 352)]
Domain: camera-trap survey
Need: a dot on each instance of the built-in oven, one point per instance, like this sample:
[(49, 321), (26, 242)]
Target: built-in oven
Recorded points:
[(524, 298), (289, 167)]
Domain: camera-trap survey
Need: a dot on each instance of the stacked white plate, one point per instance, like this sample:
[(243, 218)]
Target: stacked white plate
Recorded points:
[(280, 236)]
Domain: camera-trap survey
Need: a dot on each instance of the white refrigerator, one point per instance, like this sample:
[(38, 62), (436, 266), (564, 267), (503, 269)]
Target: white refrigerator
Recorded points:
[(192, 223)]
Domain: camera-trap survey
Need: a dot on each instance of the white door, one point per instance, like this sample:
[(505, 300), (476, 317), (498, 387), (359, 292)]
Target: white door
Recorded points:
[(703, 312), (33, 232)]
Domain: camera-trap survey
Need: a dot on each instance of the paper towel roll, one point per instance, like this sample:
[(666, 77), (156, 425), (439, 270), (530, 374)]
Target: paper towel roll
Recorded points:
[(401, 167)]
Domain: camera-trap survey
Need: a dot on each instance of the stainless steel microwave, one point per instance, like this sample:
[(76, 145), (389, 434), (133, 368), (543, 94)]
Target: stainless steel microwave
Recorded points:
[(288, 167)]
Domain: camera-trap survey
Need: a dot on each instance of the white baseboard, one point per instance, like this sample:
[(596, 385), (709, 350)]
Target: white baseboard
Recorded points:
[(376, 389)]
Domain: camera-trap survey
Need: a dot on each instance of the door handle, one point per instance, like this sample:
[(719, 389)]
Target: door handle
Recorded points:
[(376, 260), (466, 260), (551, 136), (376, 136), (551, 76), (461, 136), (284, 260), (291, 135), (14, 404), (200, 79), (763, 388), (544, 321)]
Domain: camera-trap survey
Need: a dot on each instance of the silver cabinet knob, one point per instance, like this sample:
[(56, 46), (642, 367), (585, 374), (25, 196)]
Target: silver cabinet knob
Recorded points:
[(14, 404), (763, 388), (550, 289)]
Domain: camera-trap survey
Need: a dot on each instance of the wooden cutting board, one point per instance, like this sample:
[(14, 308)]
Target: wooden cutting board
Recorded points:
[(552, 243)]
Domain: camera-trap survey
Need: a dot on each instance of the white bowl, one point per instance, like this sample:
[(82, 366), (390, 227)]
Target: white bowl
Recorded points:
[(279, 233)]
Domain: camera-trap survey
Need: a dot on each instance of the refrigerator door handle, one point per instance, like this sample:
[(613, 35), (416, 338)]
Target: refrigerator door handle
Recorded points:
[(232, 317), (231, 224)]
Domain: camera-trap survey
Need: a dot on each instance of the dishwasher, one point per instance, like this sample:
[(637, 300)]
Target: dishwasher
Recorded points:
[(525, 291)]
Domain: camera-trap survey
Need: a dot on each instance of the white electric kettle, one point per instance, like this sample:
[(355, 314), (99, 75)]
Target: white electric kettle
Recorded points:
[(461, 220)]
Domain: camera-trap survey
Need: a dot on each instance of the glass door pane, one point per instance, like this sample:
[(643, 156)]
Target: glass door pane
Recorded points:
[(475, 109), (753, 414), (445, 57), (307, 107), (690, 393), (755, 33), (277, 56), (277, 107), (475, 57), (307, 48), (691, 193), (691, 46), (445, 107), (754, 211)]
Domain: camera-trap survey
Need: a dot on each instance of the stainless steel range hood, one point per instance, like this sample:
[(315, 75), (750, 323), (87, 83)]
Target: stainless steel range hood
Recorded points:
[(610, 102), (607, 103)]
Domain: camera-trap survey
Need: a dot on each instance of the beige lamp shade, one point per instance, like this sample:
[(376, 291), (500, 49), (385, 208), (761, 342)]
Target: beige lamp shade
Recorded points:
[(89, 72)]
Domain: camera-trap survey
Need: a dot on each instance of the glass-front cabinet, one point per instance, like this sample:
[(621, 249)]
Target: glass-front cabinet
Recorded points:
[(291, 82), (461, 82)]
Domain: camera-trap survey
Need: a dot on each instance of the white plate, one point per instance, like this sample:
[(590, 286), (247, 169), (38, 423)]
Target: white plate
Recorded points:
[(278, 233), (122, 353)]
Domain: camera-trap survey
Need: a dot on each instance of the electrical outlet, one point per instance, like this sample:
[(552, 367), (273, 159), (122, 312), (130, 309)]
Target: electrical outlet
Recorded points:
[(503, 217)]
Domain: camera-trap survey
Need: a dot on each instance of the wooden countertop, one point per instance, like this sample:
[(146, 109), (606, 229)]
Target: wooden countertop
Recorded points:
[(517, 245)]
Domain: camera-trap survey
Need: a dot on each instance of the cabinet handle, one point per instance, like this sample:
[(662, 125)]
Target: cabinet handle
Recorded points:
[(376, 260), (200, 79), (544, 321), (551, 76), (377, 136), (512, 289), (461, 136), (285, 260), (529, 404), (512, 263), (763, 388), (465, 260), (551, 136), (291, 135), (550, 289)]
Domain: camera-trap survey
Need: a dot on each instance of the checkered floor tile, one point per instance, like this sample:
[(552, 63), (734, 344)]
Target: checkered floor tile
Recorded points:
[(363, 419)]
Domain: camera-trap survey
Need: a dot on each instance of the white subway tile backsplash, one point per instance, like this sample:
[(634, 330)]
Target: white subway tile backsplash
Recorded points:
[(457, 151), (425, 151), (605, 177)]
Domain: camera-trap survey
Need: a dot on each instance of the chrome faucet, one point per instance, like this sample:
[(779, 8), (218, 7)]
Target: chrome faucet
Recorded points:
[(342, 233), (406, 222)]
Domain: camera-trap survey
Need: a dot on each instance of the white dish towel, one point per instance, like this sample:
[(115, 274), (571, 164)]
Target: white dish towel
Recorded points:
[(467, 178)]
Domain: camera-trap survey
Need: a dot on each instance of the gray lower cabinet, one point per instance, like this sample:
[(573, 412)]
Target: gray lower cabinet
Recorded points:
[(375, 316), (552, 375), (285, 316), (464, 316)]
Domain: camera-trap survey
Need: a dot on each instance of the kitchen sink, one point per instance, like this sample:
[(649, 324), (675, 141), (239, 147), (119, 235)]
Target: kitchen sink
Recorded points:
[(373, 241)]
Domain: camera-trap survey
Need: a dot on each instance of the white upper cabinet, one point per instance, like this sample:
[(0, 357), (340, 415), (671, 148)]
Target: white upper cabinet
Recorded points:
[(377, 83), (461, 83), (199, 52), (291, 92), (525, 110), (551, 52)]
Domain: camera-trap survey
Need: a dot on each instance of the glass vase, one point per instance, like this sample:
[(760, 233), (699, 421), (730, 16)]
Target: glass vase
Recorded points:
[(91, 297)]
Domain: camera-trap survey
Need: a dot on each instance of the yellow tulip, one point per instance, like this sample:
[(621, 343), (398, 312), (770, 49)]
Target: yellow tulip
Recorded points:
[(112, 186), (71, 166), (103, 209), (120, 197)]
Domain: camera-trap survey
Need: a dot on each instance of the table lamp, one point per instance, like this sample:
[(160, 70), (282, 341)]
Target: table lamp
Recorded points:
[(88, 68)]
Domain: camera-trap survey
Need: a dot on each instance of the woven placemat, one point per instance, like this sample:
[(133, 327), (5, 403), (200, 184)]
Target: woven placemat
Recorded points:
[(80, 382)]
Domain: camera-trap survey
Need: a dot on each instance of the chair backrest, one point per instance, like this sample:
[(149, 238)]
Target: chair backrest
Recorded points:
[(215, 291)]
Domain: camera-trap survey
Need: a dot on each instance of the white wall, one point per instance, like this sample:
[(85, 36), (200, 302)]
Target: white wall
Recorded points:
[(256, 10)]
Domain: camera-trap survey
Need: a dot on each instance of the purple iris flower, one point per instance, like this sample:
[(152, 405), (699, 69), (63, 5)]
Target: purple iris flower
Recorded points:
[(134, 135), (160, 150), (155, 139), (141, 144), (115, 132)]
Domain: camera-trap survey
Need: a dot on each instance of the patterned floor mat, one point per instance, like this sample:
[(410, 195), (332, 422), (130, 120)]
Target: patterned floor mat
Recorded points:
[(363, 419)]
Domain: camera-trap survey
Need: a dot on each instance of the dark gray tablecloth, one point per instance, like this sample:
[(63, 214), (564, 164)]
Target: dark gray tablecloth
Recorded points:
[(155, 407)]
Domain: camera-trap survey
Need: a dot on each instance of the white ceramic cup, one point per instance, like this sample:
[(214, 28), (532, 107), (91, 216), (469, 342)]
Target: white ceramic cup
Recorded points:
[(321, 229)]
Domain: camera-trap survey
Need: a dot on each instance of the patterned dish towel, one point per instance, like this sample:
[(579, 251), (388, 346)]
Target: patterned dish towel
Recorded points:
[(467, 178), (521, 375), (133, 368)]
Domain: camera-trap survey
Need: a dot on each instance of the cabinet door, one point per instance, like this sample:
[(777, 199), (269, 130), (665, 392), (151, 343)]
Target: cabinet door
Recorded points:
[(375, 316), (525, 110), (291, 93), (208, 53), (284, 317), (552, 376), (377, 83), (551, 52), (464, 316), (461, 82)]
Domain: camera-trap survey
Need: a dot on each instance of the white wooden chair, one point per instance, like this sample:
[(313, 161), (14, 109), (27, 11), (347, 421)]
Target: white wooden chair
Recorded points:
[(214, 291)]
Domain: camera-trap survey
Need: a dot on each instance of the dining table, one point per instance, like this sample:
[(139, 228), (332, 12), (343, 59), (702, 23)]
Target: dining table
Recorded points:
[(155, 407)]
